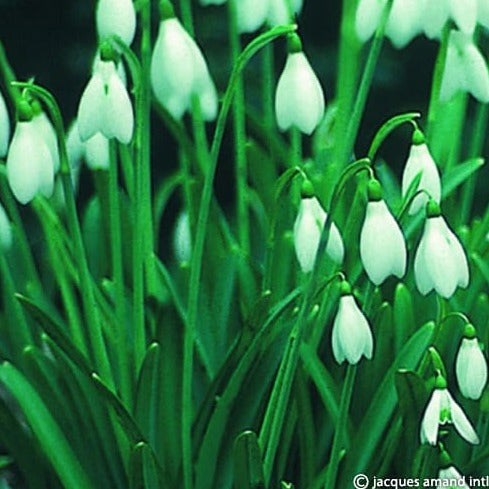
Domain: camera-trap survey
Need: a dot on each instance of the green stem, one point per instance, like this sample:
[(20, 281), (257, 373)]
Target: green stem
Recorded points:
[(296, 147), (187, 17), (239, 138), (198, 251), (118, 274), (339, 434), (8, 76)]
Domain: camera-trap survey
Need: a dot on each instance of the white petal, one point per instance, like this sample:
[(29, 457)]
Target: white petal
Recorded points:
[(29, 164), (450, 474), (424, 282), (48, 133), (97, 152), (367, 18), (116, 18), (118, 117), (4, 127), (382, 245), (420, 160), (338, 352), (5, 230), (476, 73), (471, 369), (251, 14), (278, 13), (335, 248), (464, 14), (182, 238), (483, 13), (172, 68), (90, 109), (458, 255), (453, 78), (74, 146), (404, 22), (435, 16), (461, 423), (299, 98), (431, 419)]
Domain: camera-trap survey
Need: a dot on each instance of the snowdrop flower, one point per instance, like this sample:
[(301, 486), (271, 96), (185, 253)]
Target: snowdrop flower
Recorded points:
[(308, 227), (403, 23), (440, 261), (382, 245), (465, 69), (4, 127), (351, 337), (436, 14), (278, 12), (421, 161), (5, 230), (105, 105), (442, 409), (483, 13), (179, 70), (299, 99), (471, 366), (182, 238), (251, 14), (116, 18), (29, 160), (46, 132)]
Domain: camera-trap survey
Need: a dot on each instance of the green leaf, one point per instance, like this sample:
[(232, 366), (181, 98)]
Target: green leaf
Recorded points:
[(403, 316), (248, 465), (45, 429), (382, 406), (459, 174)]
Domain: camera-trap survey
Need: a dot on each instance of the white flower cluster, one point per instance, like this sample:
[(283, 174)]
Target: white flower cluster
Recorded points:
[(465, 69), (252, 14)]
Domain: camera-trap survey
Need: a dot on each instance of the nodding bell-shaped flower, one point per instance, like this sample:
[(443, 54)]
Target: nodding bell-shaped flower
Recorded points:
[(448, 475), (351, 337), (116, 18), (179, 71), (440, 261), (442, 409), (471, 365), (421, 162), (5, 230), (105, 105), (29, 159), (46, 132), (382, 246), (280, 12), (465, 69), (308, 227), (4, 127), (299, 99)]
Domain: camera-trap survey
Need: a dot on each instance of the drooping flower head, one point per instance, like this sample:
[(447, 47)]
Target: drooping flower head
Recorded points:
[(116, 18), (465, 69), (308, 227), (29, 160), (471, 365), (440, 262), (382, 246), (420, 162), (105, 105), (299, 99), (442, 409), (351, 336), (179, 70)]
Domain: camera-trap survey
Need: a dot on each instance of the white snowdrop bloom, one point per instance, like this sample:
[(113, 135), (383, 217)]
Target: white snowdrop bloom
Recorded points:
[(48, 133), (29, 162), (404, 22), (6, 237), (97, 152), (182, 238), (421, 161), (465, 69), (116, 18), (4, 127), (75, 147), (299, 98), (435, 16), (464, 14), (367, 18), (251, 14), (179, 71), (452, 476), (382, 246), (440, 261), (442, 409), (278, 12), (307, 233), (351, 336), (483, 13), (105, 106), (471, 366)]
